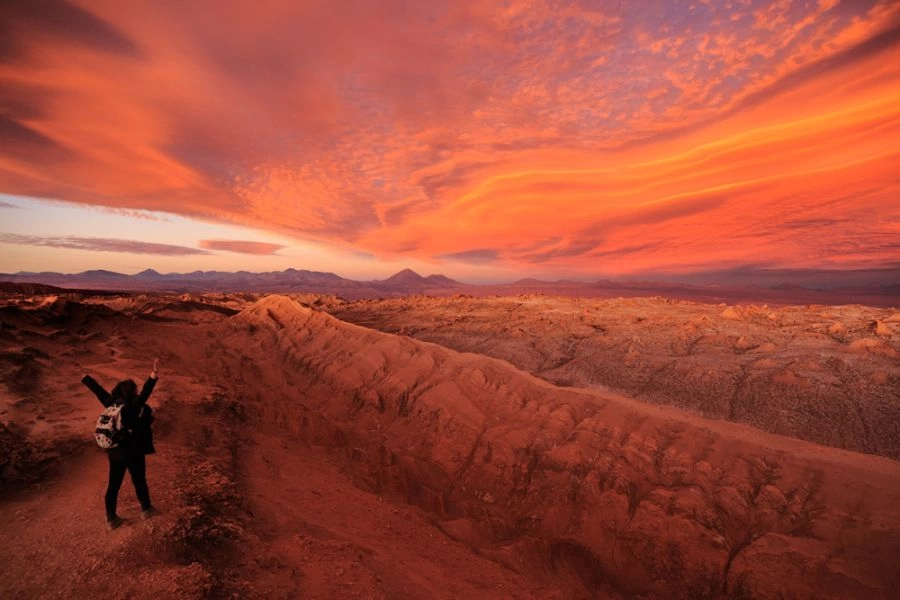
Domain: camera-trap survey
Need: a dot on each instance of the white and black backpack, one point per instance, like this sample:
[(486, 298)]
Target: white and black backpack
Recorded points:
[(110, 432)]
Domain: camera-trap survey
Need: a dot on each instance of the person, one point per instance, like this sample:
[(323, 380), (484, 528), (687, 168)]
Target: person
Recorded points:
[(130, 454)]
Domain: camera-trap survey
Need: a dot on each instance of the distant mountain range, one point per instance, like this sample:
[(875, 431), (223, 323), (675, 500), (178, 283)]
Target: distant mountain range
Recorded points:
[(289, 280), (408, 282)]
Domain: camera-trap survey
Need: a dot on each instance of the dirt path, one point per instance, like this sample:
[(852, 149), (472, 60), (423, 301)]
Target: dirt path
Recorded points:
[(54, 543), (53, 533)]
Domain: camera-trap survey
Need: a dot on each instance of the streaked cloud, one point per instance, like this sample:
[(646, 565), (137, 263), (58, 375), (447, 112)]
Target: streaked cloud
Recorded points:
[(479, 256), (61, 19), (241, 246), (100, 245), (569, 136)]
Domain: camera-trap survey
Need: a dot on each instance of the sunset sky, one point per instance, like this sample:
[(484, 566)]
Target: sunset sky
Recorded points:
[(481, 140)]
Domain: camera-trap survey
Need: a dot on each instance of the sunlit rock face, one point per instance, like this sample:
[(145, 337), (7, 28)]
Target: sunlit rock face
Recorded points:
[(823, 374)]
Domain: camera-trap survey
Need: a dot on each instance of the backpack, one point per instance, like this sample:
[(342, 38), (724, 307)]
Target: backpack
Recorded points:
[(109, 432)]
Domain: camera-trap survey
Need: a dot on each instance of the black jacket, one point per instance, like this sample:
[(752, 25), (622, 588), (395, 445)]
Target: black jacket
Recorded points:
[(137, 418)]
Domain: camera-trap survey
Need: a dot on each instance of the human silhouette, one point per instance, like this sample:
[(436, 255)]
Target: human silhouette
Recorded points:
[(130, 454)]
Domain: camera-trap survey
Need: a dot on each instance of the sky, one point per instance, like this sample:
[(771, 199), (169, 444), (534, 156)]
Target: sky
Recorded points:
[(483, 140)]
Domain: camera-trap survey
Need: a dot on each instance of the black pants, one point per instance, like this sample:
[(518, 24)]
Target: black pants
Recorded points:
[(137, 466)]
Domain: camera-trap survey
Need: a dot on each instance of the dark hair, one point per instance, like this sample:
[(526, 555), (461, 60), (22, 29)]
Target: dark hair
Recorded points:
[(124, 391)]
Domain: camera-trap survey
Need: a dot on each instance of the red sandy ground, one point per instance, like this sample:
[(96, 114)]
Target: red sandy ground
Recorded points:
[(301, 456), (258, 514)]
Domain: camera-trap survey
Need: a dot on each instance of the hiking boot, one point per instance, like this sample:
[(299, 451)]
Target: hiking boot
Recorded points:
[(150, 512), (113, 523)]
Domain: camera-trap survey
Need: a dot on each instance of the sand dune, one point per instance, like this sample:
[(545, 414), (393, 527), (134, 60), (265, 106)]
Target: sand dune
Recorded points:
[(579, 492)]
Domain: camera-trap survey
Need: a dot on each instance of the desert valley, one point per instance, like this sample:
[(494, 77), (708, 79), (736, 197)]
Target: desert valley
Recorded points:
[(413, 446), (653, 352)]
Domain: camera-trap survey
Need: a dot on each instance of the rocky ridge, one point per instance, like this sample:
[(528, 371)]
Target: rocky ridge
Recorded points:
[(825, 374), (581, 485)]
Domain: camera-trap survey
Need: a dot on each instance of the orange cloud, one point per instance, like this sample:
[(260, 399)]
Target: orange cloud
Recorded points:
[(607, 139), (241, 246), (100, 244)]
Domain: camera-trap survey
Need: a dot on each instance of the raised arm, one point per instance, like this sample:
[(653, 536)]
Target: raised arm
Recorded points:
[(102, 395), (150, 383)]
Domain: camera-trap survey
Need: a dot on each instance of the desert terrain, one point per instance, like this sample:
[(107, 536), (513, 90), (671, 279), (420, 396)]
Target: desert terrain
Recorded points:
[(827, 374), (506, 447)]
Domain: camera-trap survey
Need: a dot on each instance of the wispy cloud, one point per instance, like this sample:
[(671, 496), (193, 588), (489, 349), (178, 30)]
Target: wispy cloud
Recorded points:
[(478, 256), (241, 246), (136, 214), (582, 136), (100, 245)]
